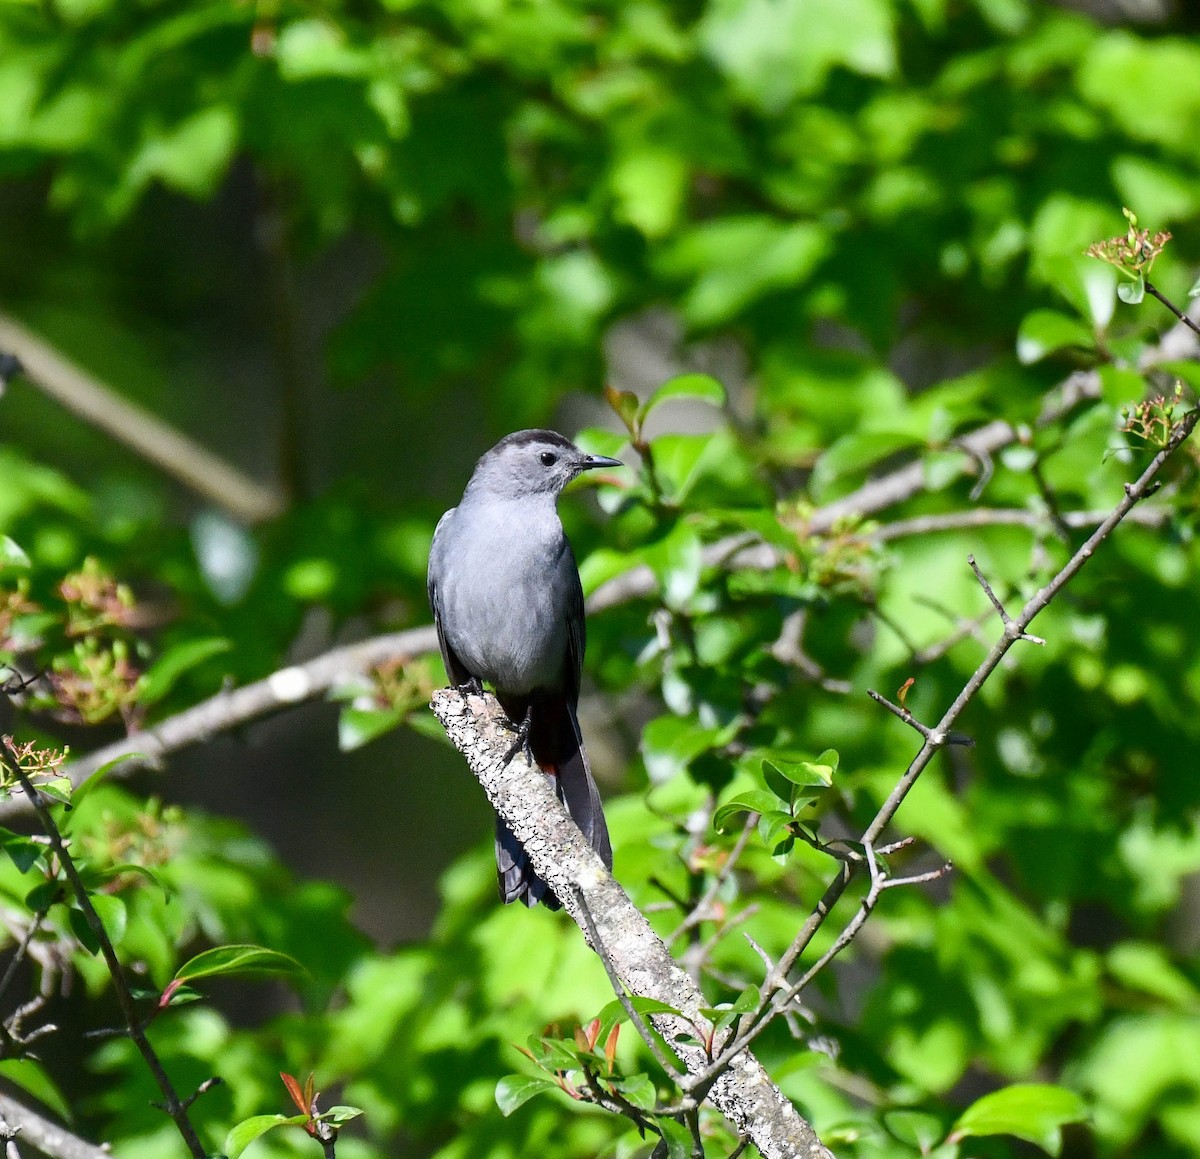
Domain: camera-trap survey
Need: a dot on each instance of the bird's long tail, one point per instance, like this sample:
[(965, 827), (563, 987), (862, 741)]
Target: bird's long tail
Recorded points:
[(557, 746)]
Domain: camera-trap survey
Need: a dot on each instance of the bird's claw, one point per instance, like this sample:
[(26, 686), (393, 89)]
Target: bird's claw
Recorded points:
[(521, 741)]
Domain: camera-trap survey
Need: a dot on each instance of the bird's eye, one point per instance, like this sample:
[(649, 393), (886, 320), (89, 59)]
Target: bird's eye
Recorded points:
[(549, 458)]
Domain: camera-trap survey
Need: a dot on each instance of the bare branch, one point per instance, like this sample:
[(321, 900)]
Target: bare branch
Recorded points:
[(976, 517), (282, 689), (1010, 625), (525, 798), (47, 1137), (156, 441)]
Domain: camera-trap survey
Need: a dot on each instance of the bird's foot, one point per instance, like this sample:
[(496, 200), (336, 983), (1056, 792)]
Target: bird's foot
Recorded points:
[(521, 741), (471, 687)]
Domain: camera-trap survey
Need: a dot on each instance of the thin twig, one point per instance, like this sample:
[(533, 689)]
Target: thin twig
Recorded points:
[(174, 1105), (933, 741), (701, 911), (1010, 625), (954, 738), (19, 953), (1154, 292), (674, 1069)]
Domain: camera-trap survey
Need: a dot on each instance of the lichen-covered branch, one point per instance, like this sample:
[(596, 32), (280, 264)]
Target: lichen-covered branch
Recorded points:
[(524, 796)]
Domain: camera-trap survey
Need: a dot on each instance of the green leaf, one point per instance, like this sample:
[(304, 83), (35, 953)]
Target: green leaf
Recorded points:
[(515, 1090), (676, 1136), (727, 1013), (33, 1079), (113, 914), (59, 788), (339, 1116), (43, 895), (774, 825), (128, 869), (11, 554), (639, 1090), (360, 726), (84, 934), (806, 774), (649, 185), (597, 441), (22, 851), (165, 672), (941, 468), (245, 1132), (698, 386), (677, 561), (916, 1128), (240, 960), (113, 917), (614, 1013), (1148, 968), (84, 789), (671, 743), (1045, 331), (1131, 293), (752, 801), (772, 55), (1031, 1111), (738, 260)]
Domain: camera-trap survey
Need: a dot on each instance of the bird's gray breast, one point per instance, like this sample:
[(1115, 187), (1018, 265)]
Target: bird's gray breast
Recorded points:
[(504, 577)]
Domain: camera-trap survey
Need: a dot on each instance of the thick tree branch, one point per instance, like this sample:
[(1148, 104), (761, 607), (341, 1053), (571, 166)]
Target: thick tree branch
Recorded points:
[(43, 1135), (145, 433), (282, 689), (524, 797)]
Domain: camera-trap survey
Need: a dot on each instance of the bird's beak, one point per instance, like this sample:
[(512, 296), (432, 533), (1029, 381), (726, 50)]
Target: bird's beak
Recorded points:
[(594, 461)]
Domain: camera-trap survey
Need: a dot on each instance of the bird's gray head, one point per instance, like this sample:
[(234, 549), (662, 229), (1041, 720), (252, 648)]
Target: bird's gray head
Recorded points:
[(532, 463)]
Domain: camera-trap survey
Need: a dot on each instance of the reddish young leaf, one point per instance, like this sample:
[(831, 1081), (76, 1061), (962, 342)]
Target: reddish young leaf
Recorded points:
[(293, 1089), (610, 1046), (626, 405)]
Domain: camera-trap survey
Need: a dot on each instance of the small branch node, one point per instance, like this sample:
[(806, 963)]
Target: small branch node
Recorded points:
[(203, 1089), (936, 739)]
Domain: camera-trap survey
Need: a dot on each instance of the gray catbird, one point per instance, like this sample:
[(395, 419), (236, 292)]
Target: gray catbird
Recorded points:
[(508, 608)]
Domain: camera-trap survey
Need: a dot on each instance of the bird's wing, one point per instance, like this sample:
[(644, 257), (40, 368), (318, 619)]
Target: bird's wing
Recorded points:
[(576, 629), (455, 669)]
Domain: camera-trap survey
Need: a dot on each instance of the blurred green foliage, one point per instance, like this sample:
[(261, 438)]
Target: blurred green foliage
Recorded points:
[(881, 207)]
